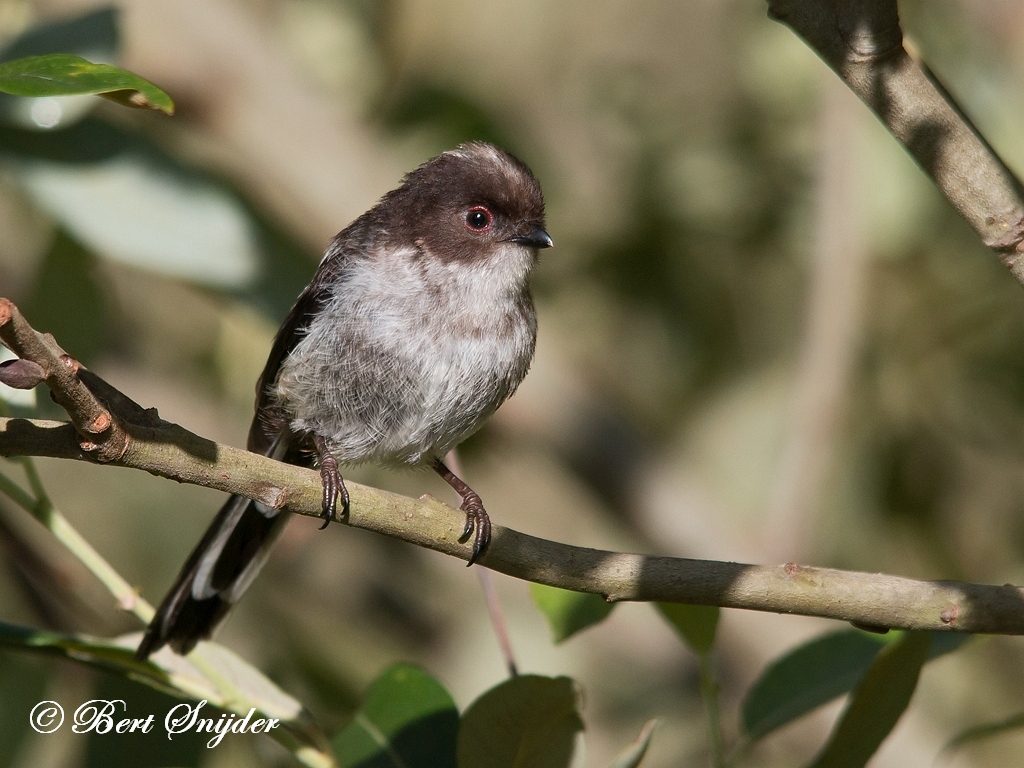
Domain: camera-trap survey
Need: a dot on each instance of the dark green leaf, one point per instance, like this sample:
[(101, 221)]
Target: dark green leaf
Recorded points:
[(407, 720), (631, 756), (67, 300), (984, 731), (63, 74), (806, 678), (526, 722), (23, 685), (178, 675), (94, 33), (88, 141), (877, 703), (568, 612), (818, 672), (696, 624), (139, 749)]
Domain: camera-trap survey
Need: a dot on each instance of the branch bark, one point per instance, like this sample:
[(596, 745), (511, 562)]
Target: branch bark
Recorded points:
[(874, 600), (861, 40), (168, 450)]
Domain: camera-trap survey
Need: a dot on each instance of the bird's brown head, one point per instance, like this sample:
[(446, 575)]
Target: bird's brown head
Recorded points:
[(468, 204)]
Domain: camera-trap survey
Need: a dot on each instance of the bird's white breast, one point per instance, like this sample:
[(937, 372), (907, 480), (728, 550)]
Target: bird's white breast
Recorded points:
[(411, 354)]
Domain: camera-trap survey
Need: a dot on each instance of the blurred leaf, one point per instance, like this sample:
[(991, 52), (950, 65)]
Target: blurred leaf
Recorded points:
[(181, 676), (137, 749), (946, 642), (407, 719), (148, 213), (526, 722), (67, 301), (568, 612), (695, 623), (64, 74), (877, 703), (451, 115), (19, 398), (631, 756), (23, 685), (88, 141), (983, 731), (286, 268), (818, 672), (95, 33)]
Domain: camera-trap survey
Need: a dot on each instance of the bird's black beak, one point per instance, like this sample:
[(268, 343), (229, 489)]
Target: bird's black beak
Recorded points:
[(536, 238)]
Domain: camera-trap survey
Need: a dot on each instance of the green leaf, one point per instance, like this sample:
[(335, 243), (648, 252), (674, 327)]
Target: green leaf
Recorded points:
[(183, 677), (696, 624), (23, 685), (568, 612), (141, 209), (64, 74), (407, 720), (67, 299), (877, 703), (526, 722), (631, 756), (139, 749), (94, 33), (983, 731), (806, 678), (818, 672)]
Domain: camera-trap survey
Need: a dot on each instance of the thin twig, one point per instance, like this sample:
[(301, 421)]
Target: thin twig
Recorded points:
[(42, 509), (830, 342), (494, 610)]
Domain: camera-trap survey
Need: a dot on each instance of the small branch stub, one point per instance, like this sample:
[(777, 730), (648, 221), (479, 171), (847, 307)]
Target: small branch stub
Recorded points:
[(101, 433)]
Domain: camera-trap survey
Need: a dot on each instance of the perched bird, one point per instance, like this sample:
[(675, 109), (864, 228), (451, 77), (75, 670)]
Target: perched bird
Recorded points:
[(417, 325)]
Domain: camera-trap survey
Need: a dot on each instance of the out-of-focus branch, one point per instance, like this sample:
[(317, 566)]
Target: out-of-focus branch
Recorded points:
[(831, 336), (876, 600), (862, 41)]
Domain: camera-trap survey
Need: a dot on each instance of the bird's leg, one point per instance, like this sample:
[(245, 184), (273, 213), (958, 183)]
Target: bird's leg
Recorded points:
[(476, 517), (332, 480)]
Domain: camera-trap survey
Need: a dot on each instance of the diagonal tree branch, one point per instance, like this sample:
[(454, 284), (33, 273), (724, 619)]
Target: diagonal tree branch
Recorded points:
[(863, 42), (873, 600)]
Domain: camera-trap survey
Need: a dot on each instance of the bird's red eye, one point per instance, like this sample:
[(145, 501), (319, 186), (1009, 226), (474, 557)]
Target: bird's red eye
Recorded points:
[(479, 219)]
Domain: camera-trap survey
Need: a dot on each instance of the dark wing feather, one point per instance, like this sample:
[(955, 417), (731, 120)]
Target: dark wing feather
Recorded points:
[(239, 537), (268, 423)]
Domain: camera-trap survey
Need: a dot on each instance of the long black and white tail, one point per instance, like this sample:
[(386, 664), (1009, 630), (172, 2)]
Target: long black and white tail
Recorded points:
[(236, 544), (218, 571)]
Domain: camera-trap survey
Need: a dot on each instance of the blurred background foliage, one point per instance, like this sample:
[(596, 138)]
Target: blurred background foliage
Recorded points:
[(764, 336)]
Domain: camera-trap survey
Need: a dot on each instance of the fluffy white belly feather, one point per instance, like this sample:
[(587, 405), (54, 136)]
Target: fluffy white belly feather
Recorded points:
[(408, 360)]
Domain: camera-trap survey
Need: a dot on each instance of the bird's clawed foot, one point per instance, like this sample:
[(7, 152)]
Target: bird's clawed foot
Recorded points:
[(476, 520), (476, 517), (334, 485)]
